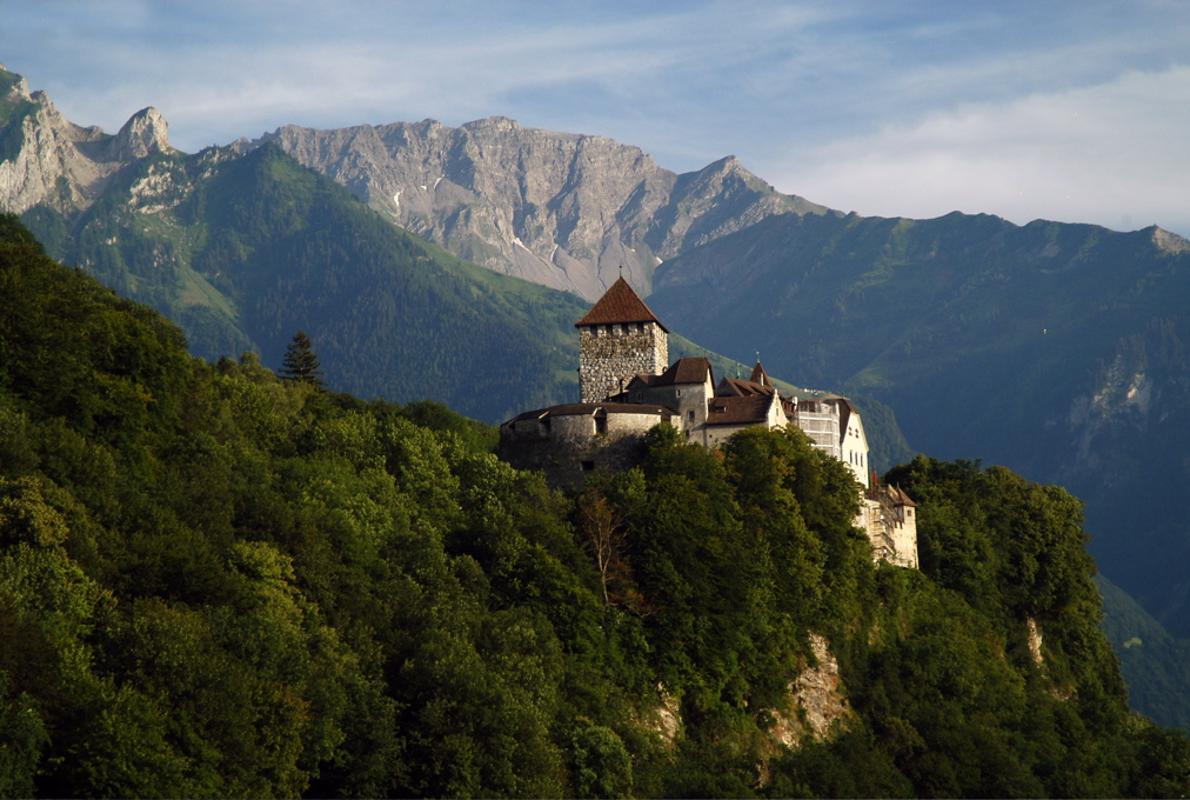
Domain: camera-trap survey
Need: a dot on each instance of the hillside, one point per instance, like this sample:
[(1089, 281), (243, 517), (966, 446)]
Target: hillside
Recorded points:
[(1155, 665), (1058, 350), (213, 582), (245, 251), (243, 247)]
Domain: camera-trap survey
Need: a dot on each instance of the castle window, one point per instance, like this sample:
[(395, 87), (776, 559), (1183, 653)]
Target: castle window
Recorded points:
[(690, 416), (601, 425)]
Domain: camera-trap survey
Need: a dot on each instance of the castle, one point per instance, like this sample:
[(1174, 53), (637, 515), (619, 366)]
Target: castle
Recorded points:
[(627, 386)]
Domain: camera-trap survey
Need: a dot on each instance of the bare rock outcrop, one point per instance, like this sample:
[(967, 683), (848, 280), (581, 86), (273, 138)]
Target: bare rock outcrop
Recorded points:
[(818, 707), (46, 159), (146, 132), (560, 209), (665, 719)]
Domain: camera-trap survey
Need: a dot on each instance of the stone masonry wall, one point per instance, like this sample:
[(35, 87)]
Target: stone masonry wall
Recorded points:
[(609, 355), (570, 448)]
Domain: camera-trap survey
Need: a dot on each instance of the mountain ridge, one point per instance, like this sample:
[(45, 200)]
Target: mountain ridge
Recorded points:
[(566, 210)]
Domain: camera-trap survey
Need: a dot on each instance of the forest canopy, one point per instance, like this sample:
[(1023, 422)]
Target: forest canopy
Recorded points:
[(217, 582)]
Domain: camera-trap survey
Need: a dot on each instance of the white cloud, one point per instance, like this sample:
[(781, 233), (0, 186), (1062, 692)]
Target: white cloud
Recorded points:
[(1113, 153), (238, 73)]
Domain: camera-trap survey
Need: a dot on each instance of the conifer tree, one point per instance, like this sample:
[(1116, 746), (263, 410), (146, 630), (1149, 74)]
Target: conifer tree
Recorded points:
[(301, 363)]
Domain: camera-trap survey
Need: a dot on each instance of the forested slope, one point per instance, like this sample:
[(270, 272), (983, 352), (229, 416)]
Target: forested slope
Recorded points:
[(215, 582), (1059, 350)]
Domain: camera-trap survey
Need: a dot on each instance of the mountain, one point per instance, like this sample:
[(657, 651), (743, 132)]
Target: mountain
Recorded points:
[(217, 583), (243, 247), (47, 160), (563, 210), (1059, 350), (1155, 665), (245, 250)]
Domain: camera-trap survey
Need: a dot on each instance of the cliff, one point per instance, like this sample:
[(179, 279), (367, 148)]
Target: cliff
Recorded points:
[(564, 210)]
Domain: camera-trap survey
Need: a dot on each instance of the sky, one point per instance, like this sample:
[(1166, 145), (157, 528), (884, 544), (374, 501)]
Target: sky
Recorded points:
[(1070, 111)]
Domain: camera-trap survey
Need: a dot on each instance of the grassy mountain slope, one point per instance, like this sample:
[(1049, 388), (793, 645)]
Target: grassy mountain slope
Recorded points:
[(1059, 350), (217, 583), (242, 251), (1155, 665)]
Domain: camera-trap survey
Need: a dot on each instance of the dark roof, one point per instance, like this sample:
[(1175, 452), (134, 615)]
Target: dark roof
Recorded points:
[(642, 377), (580, 409), (753, 409), (619, 304), (899, 497), (739, 387), (760, 376), (691, 369)]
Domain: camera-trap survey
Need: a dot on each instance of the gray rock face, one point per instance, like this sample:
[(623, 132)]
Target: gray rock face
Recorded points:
[(146, 132), (49, 160), (559, 209)]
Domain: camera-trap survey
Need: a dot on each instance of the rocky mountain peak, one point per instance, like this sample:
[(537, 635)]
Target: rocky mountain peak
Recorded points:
[(18, 87), (144, 133), (501, 124), (1169, 242), (725, 164)]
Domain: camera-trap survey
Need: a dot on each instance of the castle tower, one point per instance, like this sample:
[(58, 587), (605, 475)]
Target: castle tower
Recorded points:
[(617, 339)]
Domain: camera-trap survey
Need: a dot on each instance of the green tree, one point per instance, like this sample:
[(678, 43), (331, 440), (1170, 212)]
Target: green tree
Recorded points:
[(301, 363)]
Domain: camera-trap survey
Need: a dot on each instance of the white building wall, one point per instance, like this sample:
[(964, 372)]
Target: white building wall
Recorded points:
[(904, 534), (855, 449)]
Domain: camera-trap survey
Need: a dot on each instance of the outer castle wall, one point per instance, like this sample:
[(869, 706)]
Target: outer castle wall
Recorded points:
[(568, 447)]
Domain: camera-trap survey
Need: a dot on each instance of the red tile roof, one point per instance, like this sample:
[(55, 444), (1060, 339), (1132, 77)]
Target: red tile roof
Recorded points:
[(619, 304), (751, 410), (760, 376), (691, 369), (741, 388)]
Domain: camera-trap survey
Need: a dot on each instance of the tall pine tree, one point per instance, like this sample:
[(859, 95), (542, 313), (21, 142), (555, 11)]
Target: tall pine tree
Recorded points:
[(301, 364)]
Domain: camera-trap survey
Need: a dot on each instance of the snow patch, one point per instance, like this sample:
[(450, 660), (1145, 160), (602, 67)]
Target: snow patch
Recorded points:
[(397, 199), (438, 180), (553, 251), (517, 241), (423, 187), (658, 260)]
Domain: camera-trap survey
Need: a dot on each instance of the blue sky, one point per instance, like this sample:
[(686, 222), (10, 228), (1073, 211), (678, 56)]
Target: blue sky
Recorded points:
[(1071, 111)]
